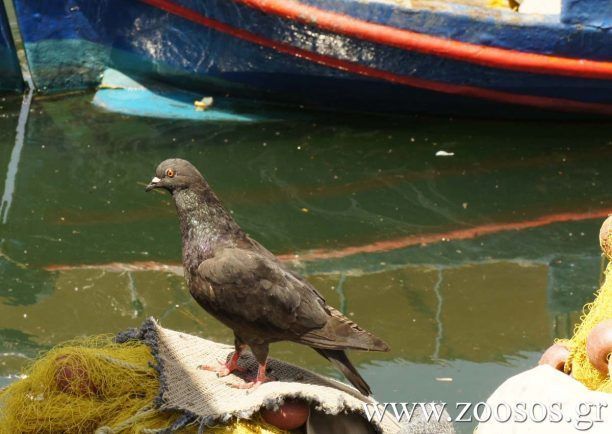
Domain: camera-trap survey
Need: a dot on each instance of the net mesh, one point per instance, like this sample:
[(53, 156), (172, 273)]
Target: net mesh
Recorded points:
[(578, 363), (97, 385)]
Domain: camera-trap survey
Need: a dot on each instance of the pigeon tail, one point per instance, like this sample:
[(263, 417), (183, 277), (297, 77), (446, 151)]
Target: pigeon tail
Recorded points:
[(344, 365)]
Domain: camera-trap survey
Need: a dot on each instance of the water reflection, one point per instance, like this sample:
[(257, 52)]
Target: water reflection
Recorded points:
[(474, 309), (478, 312)]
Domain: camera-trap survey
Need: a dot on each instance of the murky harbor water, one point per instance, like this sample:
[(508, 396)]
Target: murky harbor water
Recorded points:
[(362, 206)]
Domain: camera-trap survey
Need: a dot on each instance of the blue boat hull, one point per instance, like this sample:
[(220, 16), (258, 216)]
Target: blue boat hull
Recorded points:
[(10, 72), (239, 47)]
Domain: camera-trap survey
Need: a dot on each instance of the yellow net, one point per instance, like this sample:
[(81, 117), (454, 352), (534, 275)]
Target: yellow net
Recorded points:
[(578, 363), (96, 385)]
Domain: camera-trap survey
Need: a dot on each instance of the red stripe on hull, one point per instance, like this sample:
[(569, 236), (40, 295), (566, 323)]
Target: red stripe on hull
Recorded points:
[(427, 44), (556, 104)]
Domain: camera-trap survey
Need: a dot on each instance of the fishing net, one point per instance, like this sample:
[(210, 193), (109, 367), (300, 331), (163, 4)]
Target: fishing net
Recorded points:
[(96, 385), (578, 363)]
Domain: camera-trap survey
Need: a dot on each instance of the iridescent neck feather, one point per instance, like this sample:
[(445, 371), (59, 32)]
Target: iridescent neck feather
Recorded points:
[(205, 224)]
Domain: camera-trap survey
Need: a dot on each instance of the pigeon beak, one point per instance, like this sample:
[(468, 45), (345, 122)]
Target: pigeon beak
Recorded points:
[(153, 184)]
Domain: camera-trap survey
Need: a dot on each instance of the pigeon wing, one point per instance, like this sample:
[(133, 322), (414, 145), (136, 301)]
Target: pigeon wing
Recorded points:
[(254, 245), (340, 333), (255, 288)]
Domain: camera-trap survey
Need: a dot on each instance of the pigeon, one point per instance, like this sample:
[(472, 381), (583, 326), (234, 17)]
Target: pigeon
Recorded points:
[(247, 288)]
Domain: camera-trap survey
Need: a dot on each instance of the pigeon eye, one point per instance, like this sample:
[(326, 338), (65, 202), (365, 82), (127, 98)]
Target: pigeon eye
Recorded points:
[(170, 173)]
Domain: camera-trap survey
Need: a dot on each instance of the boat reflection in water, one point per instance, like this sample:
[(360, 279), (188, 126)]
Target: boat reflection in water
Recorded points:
[(476, 312)]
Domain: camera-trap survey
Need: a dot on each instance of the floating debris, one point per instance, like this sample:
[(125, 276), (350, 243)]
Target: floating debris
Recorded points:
[(204, 103)]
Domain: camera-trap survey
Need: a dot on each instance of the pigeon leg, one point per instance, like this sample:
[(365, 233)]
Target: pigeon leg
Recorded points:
[(261, 378), (261, 374), (223, 369), (260, 352)]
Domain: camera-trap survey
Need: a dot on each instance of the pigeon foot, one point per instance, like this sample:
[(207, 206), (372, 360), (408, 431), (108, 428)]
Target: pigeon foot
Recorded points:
[(224, 369), (252, 385), (259, 380)]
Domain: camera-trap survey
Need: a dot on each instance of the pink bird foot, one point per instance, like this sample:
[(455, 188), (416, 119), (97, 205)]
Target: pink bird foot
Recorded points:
[(259, 380), (252, 385), (224, 369)]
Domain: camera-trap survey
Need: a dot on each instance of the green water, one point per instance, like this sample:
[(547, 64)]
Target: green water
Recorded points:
[(475, 310)]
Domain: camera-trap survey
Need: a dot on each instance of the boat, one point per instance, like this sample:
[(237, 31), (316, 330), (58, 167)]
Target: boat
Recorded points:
[(455, 57), (10, 71)]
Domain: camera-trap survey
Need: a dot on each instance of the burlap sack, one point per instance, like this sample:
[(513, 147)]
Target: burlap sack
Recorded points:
[(207, 399)]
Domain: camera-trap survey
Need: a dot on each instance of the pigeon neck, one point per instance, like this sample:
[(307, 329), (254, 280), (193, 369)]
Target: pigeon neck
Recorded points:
[(205, 224)]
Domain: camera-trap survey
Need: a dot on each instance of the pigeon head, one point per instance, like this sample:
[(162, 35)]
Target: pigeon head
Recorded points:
[(175, 174)]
